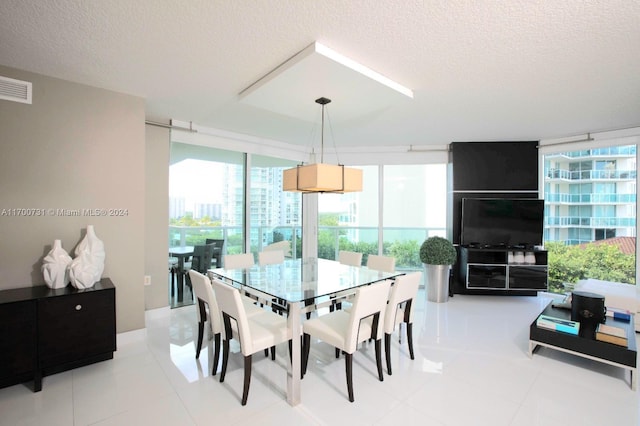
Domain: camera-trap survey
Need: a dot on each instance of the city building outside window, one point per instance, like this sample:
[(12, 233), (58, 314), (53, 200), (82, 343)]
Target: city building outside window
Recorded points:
[(590, 215)]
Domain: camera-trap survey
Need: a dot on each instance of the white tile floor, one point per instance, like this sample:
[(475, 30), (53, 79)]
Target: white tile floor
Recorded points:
[(471, 368)]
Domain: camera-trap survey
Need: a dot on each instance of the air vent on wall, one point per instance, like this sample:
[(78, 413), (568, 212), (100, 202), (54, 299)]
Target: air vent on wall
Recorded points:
[(15, 90)]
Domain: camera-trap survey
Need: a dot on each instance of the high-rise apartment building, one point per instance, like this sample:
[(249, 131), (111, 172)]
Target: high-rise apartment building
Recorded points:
[(176, 207), (590, 195)]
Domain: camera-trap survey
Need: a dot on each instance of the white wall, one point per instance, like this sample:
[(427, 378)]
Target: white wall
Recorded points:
[(75, 147), (156, 221)]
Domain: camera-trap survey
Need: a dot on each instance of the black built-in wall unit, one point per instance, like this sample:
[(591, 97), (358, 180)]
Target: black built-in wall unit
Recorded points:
[(488, 170)]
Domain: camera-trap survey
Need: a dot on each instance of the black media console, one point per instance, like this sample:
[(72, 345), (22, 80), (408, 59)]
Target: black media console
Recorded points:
[(491, 270)]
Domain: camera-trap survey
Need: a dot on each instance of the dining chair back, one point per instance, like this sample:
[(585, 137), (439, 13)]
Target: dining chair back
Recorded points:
[(370, 301), (381, 263), (400, 309), (270, 257), (238, 261), (284, 246), (207, 308), (218, 250), (255, 333), (350, 258), (345, 330), (201, 259)]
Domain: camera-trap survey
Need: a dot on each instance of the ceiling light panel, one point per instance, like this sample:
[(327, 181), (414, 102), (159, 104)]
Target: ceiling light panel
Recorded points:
[(319, 71)]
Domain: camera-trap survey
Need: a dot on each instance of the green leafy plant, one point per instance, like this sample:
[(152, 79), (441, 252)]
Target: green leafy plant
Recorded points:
[(571, 263), (437, 251)]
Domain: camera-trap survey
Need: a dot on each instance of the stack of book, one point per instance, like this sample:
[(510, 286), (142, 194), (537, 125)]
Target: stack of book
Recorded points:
[(619, 314), (611, 334), (558, 324)]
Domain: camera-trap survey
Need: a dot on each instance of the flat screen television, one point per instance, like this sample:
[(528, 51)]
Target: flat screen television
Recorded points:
[(502, 222)]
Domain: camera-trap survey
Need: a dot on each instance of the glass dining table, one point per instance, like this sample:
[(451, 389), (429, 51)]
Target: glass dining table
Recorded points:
[(299, 286)]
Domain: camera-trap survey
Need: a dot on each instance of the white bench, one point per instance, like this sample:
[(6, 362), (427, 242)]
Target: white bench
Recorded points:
[(616, 295)]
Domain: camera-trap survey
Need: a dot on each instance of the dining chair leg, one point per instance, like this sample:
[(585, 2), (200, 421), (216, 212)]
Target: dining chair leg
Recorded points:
[(387, 351), (308, 302), (225, 358), (200, 336), (379, 358), (273, 353), (410, 338), (348, 360), (172, 272), (306, 342), (216, 354), (203, 318), (266, 352), (247, 379)]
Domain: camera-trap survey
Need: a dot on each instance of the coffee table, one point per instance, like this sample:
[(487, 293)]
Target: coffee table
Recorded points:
[(588, 347)]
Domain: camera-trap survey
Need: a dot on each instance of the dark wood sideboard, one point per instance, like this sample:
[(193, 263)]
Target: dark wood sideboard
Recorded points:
[(45, 331)]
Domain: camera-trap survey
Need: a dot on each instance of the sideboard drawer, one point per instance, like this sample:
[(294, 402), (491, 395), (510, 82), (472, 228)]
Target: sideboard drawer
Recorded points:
[(76, 326)]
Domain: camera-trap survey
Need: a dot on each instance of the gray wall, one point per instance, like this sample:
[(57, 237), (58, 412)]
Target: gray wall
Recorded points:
[(75, 147), (157, 215)]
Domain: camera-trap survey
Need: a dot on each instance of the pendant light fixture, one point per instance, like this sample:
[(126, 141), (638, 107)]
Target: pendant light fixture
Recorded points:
[(322, 177)]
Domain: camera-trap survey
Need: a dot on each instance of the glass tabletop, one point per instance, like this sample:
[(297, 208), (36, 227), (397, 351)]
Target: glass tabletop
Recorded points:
[(297, 280)]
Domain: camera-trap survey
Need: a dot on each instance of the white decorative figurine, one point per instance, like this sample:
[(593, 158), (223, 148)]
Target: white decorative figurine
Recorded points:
[(86, 269), (55, 266)]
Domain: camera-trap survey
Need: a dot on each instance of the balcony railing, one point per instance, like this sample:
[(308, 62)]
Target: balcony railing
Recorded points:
[(590, 222), (612, 151), (590, 174), (564, 198), (402, 243)]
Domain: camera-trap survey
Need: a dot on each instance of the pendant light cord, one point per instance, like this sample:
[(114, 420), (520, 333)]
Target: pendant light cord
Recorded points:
[(322, 137), (322, 101)]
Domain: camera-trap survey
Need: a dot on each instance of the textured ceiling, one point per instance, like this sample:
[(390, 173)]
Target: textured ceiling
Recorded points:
[(480, 70)]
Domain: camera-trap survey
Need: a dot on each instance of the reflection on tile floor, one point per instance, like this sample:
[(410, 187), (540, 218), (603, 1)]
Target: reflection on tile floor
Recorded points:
[(471, 368)]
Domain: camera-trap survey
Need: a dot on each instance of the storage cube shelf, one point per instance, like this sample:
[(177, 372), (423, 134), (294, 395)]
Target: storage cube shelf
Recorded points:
[(490, 269)]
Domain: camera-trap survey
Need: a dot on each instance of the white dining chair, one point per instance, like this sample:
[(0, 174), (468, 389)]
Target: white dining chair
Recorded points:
[(400, 309), (207, 310), (350, 258), (270, 257), (381, 263), (284, 246), (345, 330), (255, 333), (238, 261)]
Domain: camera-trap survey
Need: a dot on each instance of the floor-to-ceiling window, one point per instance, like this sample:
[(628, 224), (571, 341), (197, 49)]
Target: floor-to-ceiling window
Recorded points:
[(392, 219), (274, 215), (414, 208), (206, 200), (590, 215), (350, 221), (398, 208)]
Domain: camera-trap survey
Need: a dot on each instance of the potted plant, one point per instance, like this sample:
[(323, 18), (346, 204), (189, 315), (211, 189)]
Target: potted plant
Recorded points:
[(438, 254)]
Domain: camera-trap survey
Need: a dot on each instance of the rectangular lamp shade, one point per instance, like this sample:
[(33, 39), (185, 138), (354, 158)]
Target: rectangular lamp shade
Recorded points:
[(322, 178), (352, 180)]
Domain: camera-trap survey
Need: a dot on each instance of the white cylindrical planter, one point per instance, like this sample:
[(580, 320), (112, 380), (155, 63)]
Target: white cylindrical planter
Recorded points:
[(438, 283)]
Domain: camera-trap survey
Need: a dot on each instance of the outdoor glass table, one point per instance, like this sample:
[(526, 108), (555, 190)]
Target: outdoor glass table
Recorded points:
[(298, 285)]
